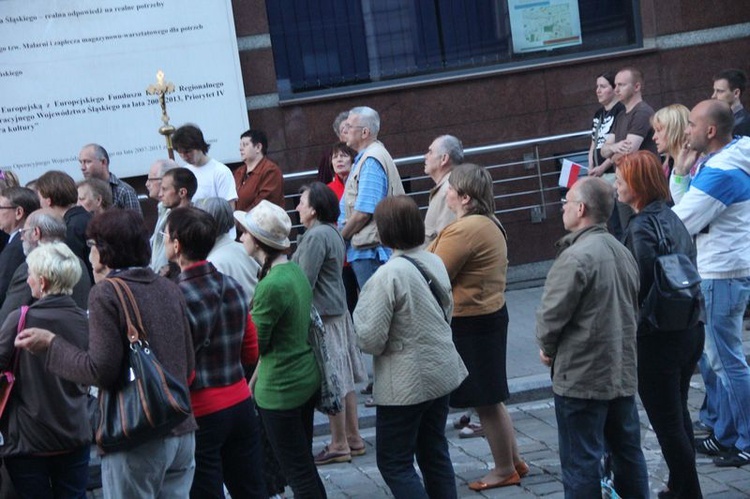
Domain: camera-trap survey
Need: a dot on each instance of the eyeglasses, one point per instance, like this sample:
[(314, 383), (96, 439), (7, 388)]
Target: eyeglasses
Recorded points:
[(25, 229), (347, 127), (8, 207), (153, 179), (566, 201)]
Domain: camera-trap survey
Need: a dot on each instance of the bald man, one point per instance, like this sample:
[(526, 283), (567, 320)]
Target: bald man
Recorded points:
[(716, 211)]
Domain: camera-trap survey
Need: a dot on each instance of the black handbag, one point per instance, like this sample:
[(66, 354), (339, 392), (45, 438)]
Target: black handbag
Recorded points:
[(675, 301), (149, 402)]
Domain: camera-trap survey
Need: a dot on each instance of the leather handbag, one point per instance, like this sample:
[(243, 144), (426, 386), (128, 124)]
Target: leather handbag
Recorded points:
[(8, 378), (148, 402)]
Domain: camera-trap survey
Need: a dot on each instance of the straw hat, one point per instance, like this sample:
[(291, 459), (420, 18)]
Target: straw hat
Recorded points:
[(268, 223)]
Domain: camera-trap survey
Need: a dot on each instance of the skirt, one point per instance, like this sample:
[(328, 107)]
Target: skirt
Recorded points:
[(346, 358), (481, 340)]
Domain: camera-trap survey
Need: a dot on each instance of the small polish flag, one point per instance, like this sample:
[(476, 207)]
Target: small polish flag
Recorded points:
[(569, 173)]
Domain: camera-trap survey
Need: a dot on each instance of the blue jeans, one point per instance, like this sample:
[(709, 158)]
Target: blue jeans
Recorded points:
[(228, 451), (161, 468), (408, 430), (726, 300), (42, 477), (364, 269), (709, 408), (586, 428), (290, 432)]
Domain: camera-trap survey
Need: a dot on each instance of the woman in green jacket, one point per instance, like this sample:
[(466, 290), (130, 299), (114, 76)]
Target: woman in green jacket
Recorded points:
[(288, 379)]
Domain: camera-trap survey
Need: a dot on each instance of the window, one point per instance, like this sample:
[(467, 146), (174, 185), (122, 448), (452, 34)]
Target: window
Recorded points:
[(320, 45)]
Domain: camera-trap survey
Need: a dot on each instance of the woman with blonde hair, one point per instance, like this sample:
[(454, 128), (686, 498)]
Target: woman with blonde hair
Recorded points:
[(669, 125), (475, 253)]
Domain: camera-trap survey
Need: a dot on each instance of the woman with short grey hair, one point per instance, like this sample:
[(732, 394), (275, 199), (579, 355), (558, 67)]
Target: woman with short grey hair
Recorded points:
[(228, 256), (46, 424)]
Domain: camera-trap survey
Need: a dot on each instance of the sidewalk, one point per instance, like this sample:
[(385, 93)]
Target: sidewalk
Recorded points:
[(536, 430), (533, 414)]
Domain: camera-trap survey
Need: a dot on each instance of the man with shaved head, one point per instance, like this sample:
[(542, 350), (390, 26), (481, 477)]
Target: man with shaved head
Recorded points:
[(716, 211)]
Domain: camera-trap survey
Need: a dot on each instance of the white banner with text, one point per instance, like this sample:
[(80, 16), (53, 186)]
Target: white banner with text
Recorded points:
[(76, 72)]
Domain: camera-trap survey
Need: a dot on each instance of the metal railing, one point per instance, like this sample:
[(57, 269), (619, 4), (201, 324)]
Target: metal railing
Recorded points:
[(516, 191), (522, 184)]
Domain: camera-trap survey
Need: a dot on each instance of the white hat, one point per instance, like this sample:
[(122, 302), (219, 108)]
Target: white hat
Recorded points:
[(268, 223)]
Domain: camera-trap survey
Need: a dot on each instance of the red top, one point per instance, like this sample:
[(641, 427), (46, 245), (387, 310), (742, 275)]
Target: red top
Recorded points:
[(337, 186)]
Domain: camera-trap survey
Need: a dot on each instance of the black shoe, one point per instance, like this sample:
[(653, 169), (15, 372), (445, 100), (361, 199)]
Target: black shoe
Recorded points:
[(710, 446), (734, 457), (701, 428), (666, 494), (366, 390)]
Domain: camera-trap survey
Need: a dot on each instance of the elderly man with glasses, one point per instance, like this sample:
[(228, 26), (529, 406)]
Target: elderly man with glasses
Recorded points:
[(16, 204)]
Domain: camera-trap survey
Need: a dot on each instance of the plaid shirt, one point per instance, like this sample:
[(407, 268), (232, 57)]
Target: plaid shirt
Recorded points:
[(123, 195), (217, 313)]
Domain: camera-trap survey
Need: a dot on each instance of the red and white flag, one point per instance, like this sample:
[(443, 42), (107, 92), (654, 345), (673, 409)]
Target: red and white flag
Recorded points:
[(569, 174)]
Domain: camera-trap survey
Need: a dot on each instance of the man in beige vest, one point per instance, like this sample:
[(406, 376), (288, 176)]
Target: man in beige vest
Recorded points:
[(373, 177), (444, 153)]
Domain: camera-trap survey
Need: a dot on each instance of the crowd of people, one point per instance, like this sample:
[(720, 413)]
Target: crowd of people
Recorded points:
[(682, 183), (227, 307)]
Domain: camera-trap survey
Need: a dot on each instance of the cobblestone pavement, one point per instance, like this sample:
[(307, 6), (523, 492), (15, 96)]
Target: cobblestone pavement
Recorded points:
[(536, 430)]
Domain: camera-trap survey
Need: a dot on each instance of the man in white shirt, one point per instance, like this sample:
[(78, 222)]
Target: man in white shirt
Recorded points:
[(214, 179)]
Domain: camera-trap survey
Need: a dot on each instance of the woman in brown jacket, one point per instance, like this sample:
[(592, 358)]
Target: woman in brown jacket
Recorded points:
[(162, 467), (474, 252)]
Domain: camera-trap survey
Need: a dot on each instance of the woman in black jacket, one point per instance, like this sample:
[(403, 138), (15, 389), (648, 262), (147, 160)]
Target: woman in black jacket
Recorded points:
[(666, 359)]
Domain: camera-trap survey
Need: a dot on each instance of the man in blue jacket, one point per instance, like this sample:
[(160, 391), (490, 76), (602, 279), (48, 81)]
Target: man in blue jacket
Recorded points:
[(716, 211)]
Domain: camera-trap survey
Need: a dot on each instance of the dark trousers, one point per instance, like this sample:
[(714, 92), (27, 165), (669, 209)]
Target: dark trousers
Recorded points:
[(666, 362), (290, 432), (405, 431), (228, 451), (47, 477), (351, 287), (585, 429)]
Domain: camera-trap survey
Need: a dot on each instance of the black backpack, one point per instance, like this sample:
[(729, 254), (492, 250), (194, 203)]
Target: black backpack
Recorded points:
[(675, 301)]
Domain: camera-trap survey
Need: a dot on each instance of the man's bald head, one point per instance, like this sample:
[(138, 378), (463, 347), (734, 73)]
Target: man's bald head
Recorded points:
[(719, 114), (710, 126)]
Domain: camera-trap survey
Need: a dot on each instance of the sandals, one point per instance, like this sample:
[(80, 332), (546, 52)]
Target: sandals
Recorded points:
[(462, 422), (359, 451), (326, 456), (472, 430)]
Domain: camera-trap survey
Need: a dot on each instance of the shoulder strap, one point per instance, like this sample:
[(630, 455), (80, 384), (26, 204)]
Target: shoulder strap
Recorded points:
[(430, 282), (21, 327), (665, 247), (122, 289)]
